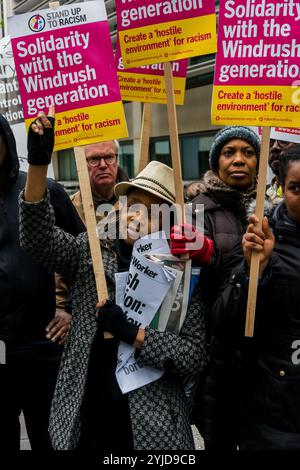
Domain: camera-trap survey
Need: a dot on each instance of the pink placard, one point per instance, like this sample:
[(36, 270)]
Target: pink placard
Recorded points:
[(140, 13), (77, 64), (258, 43), (64, 57)]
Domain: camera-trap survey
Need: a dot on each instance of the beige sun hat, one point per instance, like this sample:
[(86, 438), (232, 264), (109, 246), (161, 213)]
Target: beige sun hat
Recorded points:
[(156, 178)]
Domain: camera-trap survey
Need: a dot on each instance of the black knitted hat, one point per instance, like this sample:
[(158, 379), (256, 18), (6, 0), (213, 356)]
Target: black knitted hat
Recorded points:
[(229, 133)]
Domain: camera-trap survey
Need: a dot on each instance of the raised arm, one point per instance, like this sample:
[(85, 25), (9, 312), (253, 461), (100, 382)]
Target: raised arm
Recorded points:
[(48, 244), (40, 148)]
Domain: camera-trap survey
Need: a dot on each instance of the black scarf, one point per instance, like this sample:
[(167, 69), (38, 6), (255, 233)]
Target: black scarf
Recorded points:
[(124, 252)]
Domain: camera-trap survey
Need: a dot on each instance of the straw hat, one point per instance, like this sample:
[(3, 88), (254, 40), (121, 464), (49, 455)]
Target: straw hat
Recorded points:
[(156, 178)]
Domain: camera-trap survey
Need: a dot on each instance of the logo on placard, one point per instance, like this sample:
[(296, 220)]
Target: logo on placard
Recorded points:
[(36, 23)]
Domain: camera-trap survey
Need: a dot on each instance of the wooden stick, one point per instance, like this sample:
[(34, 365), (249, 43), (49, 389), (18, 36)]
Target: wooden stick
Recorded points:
[(90, 220), (54, 5), (260, 202), (145, 136), (175, 150), (90, 217)]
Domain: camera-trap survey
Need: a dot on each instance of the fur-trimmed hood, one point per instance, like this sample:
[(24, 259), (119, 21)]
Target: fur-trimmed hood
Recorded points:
[(269, 206), (221, 193)]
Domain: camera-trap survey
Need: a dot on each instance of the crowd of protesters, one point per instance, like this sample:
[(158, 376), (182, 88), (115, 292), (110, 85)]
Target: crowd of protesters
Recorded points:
[(60, 370)]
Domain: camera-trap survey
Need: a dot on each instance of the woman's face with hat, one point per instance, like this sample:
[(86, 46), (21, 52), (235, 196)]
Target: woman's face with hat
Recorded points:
[(237, 164), (136, 220)]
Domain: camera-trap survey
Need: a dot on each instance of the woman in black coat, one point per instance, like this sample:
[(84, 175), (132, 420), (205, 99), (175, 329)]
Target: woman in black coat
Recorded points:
[(269, 381), (89, 410), (226, 191)]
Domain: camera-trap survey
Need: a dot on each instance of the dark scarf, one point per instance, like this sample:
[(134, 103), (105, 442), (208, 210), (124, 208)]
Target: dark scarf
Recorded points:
[(124, 252), (98, 202), (235, 200)]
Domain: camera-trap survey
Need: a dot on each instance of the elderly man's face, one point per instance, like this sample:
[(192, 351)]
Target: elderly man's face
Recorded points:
[(2, 151), (102, 162)]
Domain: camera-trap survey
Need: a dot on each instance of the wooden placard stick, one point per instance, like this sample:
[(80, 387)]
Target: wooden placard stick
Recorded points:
[(145, 136), (90, 220), (260, 202), (175, 150), (90, 217), (54, 5)]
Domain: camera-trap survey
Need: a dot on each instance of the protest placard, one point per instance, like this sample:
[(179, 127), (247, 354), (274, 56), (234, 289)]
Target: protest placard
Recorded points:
[(171, 317), (147, 83), (157, 32), (166, 316), (287, 134), (161, 318), (290, 134), (64, 57), (258, 64), (147, 285), (153, 243), (10, 102), (135, 375), (163, 32)]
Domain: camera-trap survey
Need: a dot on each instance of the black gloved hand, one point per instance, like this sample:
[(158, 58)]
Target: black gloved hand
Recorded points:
[(111, 318), (40, 144)]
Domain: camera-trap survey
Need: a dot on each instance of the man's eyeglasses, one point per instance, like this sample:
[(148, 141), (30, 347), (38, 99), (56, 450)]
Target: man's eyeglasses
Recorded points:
[(283, 144), (109, 160)]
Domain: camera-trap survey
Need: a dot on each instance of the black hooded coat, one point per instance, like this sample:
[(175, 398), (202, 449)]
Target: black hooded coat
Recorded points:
[(27, 290)]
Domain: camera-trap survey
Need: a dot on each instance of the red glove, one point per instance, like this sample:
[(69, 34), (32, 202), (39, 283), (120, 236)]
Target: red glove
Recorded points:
[(185, 239)]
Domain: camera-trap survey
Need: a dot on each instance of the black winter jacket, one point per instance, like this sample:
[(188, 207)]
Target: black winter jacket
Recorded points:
[(225, 220), (268, 364), (27, 290)]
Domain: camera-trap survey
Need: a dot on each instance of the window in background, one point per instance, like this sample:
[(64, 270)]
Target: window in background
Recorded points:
[(66, 165), (126, 158), (194, 149), (160, 151), (194, 155)]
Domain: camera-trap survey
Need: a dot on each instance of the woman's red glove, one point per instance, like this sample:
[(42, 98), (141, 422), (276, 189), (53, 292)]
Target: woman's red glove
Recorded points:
[(185, 239)]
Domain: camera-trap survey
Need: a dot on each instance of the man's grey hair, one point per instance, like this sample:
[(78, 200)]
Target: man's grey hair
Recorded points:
[(116, 142), (117, 146)]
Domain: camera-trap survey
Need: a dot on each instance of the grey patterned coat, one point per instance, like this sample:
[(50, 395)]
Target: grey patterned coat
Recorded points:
[(159, 411)]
